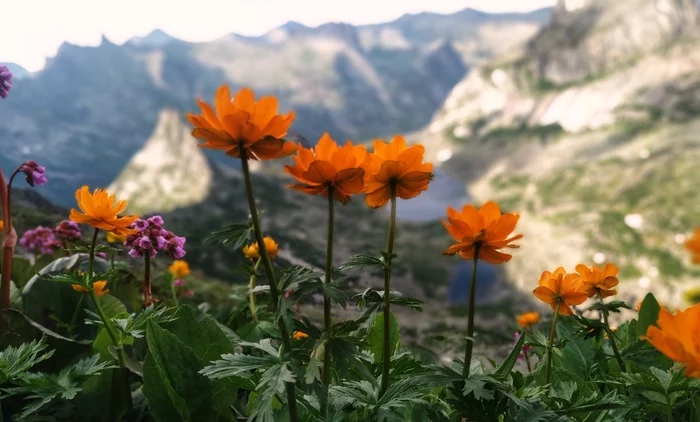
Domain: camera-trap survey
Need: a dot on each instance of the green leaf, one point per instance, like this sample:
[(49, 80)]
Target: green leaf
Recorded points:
[(111, 306), (648, 314), (507, 365), (14, 361), (236, 234), (53, 304), (172, 384), (362, 261), (612, 306), (200, 333), (375, 339)]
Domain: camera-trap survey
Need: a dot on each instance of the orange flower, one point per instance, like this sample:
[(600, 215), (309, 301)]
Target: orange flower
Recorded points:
[(242, 124), (560, 288), (2, 225), (677, 337), (179, 269), (80, 288), (329, 166), (528, 319), (98, 287), (116, 238), (251, 251), (100, 211), (486, 227), (397, 165), (693, 245), (299, 335), (596, 280)]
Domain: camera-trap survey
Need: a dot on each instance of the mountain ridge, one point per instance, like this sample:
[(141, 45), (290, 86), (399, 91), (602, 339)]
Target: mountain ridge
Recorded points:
[(99, 104), (599, 165)]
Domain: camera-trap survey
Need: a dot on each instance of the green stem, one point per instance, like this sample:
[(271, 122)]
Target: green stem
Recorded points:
[(173, 291), (251, 286), (76, 312), (527, 361), (611, 336), (550, 342), (327, 376), (270, 272), (470, 316), (91, 260), (107, 323), (386, 356)]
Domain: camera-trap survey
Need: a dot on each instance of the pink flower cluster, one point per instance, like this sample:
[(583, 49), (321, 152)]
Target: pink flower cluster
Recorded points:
[(152, 238), (34, 173), (40, 240), (68, 230)]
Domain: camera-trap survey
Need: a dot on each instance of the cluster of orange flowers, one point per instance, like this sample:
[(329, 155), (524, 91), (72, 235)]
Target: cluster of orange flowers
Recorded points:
[(253, 252), (561, 290), (242, 126), (249, 129)]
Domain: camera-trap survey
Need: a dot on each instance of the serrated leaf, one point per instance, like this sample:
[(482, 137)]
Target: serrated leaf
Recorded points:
[(236, 234), (362, 261)]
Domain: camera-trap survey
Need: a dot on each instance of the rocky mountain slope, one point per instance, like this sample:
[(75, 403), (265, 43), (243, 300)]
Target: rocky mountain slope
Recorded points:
[(590, 131), (98, 104)]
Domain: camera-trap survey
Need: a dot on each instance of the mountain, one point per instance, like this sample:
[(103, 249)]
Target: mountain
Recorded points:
[(92, 108), (18, 72), (589, 130), (155, 38), (177, 173)]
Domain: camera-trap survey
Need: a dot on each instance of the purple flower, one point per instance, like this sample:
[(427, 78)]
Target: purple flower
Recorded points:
[(102, 255), (151, 238), (68, 230), (35, 174), (40, 239), (179, 283), (5, 81)]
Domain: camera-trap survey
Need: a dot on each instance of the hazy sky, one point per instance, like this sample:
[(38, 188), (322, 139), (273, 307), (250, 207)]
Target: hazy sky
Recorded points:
[(31, 30)]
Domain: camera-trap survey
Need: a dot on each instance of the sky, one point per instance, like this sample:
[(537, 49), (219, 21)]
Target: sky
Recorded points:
[(32, 30)]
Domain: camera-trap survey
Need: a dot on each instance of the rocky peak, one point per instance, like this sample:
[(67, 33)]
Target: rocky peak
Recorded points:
[(170, 171), (589, 37), (156, 38)]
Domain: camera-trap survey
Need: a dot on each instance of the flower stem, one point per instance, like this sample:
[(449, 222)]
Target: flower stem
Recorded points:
[(611, 336), (8, 242), (270, 272), (76, 312), (251, 286), (91, 258), (147, 298), (470, 316), (550, 343), (386, 357), (327, 375), (173, 291), (107, 323), (527, 361)]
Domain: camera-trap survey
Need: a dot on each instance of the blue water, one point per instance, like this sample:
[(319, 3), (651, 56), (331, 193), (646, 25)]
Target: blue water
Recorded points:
[(432, 204), (446, 191), (489, 278)]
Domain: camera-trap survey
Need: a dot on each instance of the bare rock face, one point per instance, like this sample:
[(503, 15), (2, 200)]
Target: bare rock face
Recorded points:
[(589, 37), (590, 132), (169, 172)]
